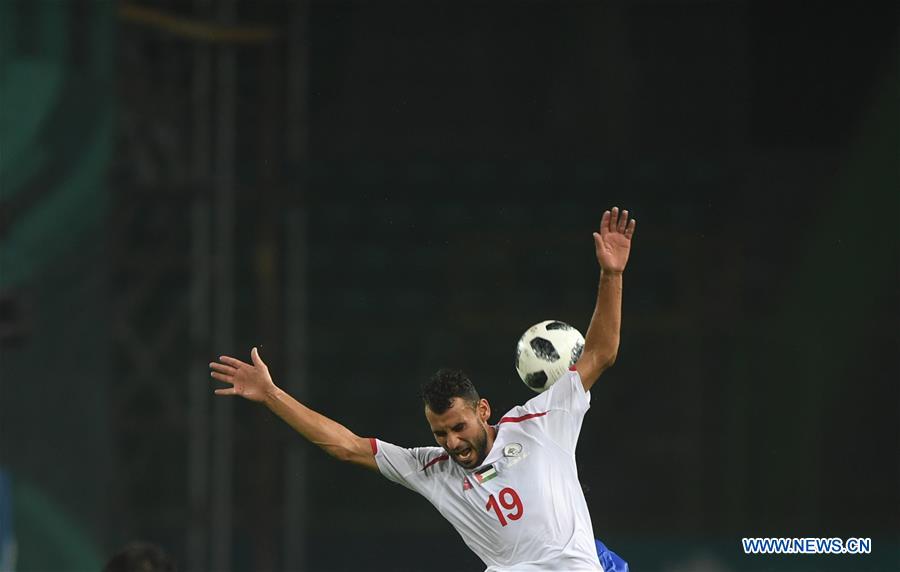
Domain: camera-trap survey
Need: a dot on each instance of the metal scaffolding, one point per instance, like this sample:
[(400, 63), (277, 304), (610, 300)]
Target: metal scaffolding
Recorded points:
[(181, 121)]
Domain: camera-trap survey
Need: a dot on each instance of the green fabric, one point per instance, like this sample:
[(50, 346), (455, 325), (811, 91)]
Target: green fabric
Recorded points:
[(56, 126), (55, 136), (48, 538)]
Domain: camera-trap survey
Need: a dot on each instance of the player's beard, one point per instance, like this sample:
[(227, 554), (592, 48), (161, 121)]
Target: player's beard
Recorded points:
[(479, 448)]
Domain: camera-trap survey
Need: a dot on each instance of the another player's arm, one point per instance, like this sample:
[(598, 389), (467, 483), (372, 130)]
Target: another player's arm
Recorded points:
[(601, 344), (253, 382)]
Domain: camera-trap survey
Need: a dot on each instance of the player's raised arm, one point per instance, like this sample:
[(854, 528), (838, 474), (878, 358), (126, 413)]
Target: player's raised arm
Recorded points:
[(253, 382), (601, 344)]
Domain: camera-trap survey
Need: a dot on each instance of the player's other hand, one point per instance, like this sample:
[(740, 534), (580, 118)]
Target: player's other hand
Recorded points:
[(250, 381), (613, 242)]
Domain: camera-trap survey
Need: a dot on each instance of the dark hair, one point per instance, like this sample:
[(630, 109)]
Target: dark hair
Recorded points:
[(140, 557), (446, 384)]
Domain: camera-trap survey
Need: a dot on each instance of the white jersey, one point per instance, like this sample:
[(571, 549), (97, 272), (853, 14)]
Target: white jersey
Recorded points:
[(523, 508)]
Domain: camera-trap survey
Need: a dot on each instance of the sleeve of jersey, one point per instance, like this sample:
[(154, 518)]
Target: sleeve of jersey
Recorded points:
[(404, 466), (562, 408)]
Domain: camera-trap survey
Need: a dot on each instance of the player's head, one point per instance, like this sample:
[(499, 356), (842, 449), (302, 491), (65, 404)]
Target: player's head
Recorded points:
[(458, 417), (140, 557)]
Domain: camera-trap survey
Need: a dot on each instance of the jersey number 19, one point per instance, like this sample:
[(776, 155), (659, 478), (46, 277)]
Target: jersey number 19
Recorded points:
[(509, 499)]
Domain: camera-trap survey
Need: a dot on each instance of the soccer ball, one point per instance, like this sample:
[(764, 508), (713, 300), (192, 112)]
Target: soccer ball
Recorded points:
[(546, 351)]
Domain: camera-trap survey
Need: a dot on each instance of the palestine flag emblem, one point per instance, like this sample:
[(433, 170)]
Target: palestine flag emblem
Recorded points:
[(485, 474)]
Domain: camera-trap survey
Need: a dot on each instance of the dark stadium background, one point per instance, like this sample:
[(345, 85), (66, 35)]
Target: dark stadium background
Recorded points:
[(371, 190)]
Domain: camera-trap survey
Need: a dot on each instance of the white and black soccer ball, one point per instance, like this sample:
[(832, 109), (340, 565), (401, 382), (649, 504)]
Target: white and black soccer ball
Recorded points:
[(546, 351)]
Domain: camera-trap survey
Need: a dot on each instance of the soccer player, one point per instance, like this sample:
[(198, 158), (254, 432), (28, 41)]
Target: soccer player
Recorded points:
[(511, 490)]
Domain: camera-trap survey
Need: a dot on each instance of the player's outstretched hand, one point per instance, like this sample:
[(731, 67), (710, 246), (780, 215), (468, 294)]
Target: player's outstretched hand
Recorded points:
[(250, 381), (613, 242)]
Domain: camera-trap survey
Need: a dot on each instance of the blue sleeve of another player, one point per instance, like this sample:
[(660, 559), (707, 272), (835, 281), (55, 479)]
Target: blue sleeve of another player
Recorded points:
[(611, 561)]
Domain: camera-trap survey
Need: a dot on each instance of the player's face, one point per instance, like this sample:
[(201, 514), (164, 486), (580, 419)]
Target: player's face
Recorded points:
[(462, 431)]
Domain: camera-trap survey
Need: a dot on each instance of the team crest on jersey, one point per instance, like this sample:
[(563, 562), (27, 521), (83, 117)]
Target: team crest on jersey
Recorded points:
[(467, 484), (512, 450)]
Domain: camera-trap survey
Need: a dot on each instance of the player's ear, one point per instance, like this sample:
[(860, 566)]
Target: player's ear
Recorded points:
[(484, 410)]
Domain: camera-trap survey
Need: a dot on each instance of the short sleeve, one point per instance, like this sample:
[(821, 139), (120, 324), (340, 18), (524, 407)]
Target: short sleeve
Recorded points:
[(562, 407), (407, 466)]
